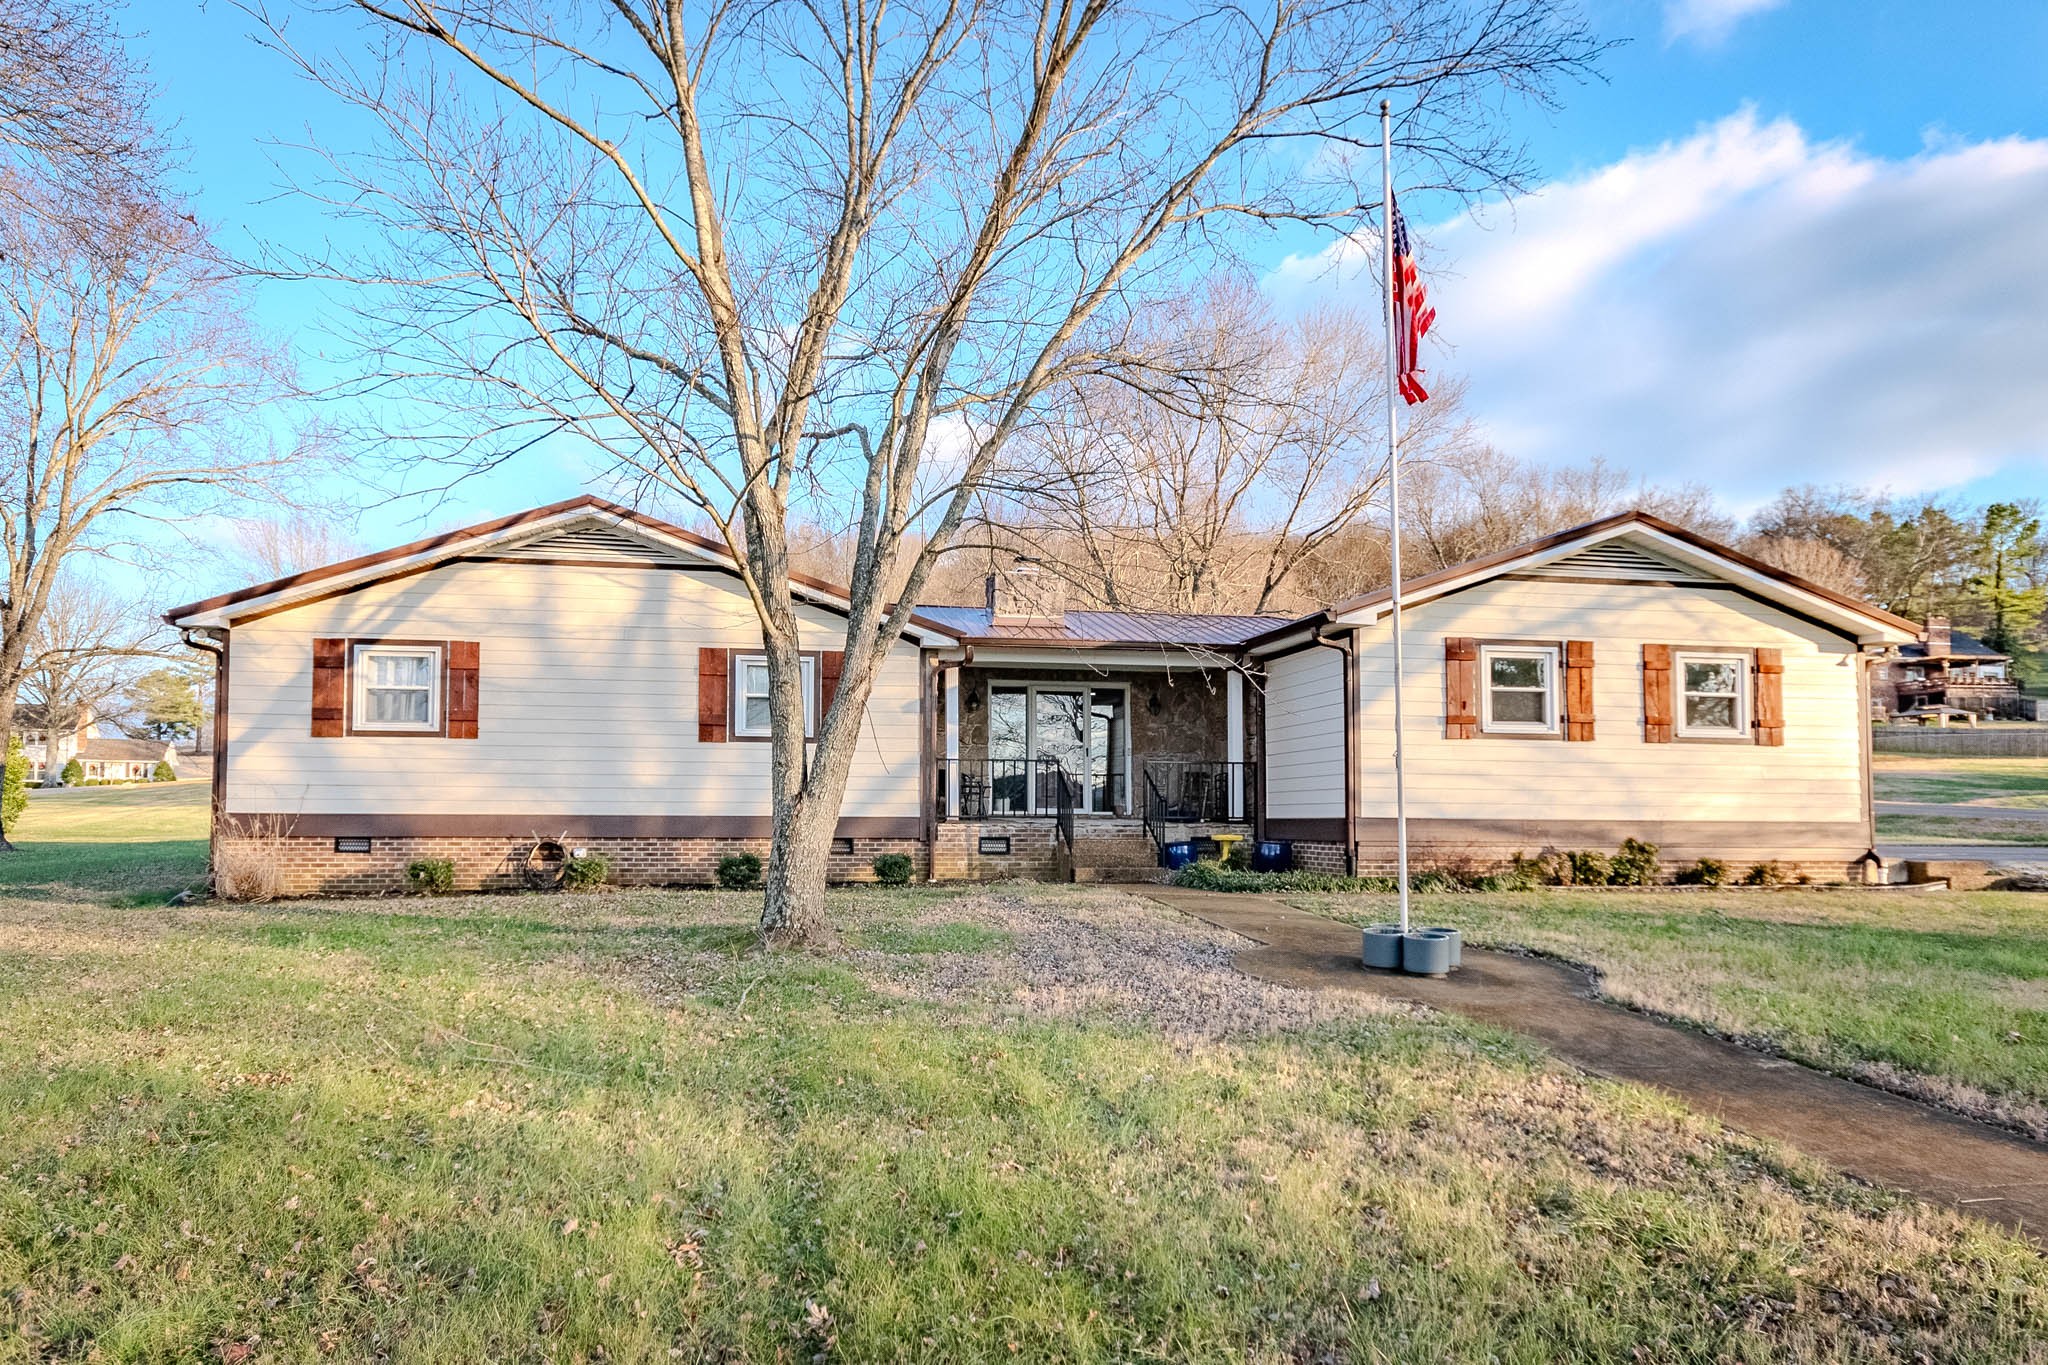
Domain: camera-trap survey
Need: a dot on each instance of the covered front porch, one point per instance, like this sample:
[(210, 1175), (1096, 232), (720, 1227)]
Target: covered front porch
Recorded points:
[(1122, 757)]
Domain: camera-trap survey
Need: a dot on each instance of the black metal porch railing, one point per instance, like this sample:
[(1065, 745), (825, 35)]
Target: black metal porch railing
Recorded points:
[(1008, 788), (1197, 792)]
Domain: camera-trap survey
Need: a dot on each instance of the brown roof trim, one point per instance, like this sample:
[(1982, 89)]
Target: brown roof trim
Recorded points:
[(1055, 643), (587, 502), (1565, 537)]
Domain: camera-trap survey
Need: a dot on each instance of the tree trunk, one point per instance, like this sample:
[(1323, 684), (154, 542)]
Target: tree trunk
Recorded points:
[(793, 887)]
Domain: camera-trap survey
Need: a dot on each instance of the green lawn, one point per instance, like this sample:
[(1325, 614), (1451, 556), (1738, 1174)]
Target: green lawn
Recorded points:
[(1942, 995), (1966, 829), (132, 845), (1942, 779), (1015, 1123)]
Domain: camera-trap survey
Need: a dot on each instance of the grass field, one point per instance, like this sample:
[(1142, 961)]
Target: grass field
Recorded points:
[(1944, 996), (2021, 782), (130, 845), (1014, 1123)]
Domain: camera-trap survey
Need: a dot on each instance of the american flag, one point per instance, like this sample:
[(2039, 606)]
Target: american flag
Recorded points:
[(1412, 314)]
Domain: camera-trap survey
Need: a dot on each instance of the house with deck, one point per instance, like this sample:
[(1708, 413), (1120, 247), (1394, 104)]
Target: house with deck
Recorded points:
[(585, 673)]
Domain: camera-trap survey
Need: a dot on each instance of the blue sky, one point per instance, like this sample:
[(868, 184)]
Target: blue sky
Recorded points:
[(1780, 242)]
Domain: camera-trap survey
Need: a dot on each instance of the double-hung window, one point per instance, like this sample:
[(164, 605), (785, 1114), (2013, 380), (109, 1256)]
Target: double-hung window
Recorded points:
[(1713, 700), (1518, 693), (397, 688), (750, 684)]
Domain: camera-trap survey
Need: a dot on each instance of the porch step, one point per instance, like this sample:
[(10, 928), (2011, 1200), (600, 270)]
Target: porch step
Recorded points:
[(1100, 851)]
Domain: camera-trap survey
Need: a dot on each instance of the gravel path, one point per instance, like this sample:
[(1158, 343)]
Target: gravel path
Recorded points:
[(1101, 952)]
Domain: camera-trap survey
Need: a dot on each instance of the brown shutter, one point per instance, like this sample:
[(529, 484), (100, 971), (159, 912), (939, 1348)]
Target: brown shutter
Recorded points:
[(1769, 721), (1461, 688), (829, 664), (330, 687), (464, 664), (1657, 694), (1578, 689), (714, 695)]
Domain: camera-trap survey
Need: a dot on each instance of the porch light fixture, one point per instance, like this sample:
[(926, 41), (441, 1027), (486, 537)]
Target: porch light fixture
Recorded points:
[(1153, 706), (974, 699)]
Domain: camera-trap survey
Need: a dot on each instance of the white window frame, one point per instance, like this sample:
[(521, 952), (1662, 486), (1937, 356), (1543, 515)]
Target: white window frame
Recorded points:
[(1551, 657), (1743, 665), (740, 665), (359, 685)]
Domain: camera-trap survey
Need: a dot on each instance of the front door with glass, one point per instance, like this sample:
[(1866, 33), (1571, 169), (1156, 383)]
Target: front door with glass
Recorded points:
[(1085, 729)]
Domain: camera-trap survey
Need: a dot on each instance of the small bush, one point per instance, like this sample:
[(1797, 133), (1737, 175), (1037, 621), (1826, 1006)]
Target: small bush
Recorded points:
[(1209, 875), (1766, 874), (13, 784), (892, 869), (164, 772), (430, 876), (585, 871), (1634, 865), (1586, 867), (1239, 859), (73, 774), (739, 872), (1705, 872)]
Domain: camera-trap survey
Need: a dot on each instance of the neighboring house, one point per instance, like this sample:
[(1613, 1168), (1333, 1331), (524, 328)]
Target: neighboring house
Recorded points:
[(588, 673), (1945, 667), (124, 760), (52, 737)]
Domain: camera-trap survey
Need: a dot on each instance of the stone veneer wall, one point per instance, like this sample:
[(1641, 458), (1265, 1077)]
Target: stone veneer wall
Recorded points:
[(1191, 724), (313, 868)]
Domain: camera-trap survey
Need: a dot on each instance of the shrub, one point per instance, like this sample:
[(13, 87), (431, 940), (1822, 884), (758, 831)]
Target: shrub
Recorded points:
[(73, 774), (430, 876), (1765, 874), (1239, 859), (1705, 872), (1634, 865), (248, 862), (586, 870), (13, 784), (1209, 875), (892, 869), (1585, 867), (164, 772), (739, 872)]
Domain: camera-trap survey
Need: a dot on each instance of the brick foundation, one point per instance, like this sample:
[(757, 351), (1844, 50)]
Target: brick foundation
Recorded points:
[(1035, 851), (313, 868)]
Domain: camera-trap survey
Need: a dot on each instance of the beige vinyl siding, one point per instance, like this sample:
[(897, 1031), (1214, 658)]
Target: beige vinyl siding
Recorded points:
[(1816, 777), (1304, 752), (588, 701)]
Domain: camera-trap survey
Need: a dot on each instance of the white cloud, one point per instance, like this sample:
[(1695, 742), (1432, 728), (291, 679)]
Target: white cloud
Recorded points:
[(1709, 22), (1749, 308)]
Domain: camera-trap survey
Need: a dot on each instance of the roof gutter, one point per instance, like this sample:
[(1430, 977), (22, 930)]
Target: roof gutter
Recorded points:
[(1348, 650)]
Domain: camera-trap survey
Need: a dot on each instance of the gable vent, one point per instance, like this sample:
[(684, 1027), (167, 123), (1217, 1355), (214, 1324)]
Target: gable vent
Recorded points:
[(1618, 559), (596, 544)]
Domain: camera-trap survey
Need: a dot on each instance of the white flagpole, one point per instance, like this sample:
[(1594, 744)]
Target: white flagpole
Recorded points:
[(1394, 501)]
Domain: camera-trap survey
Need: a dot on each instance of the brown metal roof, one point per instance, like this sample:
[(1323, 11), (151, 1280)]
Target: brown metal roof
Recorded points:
[(1101, 629), (455, 539), (1502, 558)]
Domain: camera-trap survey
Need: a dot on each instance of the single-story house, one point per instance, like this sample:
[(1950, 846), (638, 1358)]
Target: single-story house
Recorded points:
[(587, 673), (111, 758), (51, 736), (1944, 667)]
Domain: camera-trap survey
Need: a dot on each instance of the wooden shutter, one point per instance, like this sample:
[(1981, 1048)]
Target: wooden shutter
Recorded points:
[(829, 665), (1657, 694), (1461, 688), (714, 695), (1769, 721), (464, 664), (330, 688), (1578, 689)]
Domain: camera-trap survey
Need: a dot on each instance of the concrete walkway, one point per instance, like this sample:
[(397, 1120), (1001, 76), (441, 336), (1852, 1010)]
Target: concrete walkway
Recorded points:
[(1878, 1137)]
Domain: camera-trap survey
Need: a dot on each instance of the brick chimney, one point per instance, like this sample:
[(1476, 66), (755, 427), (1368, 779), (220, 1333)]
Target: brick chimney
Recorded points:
[(1937, 637)]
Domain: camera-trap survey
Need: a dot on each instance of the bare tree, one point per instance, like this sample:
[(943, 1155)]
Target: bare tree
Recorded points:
[(128, 389), (74, 107), (1813, 559), (291, 542), (775, 256), (1207, 493), (86, 645)]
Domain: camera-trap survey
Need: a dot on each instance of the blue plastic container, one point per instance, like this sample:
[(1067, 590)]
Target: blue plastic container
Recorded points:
[(1179, 855), (1272, 855)]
